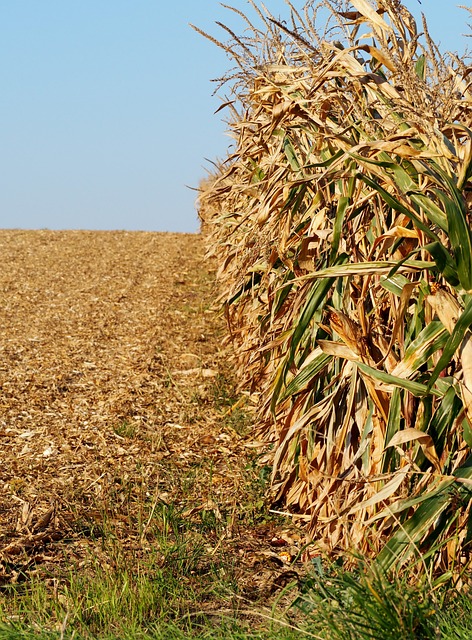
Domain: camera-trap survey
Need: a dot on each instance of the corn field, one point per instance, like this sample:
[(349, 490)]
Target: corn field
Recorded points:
[(341, 227)]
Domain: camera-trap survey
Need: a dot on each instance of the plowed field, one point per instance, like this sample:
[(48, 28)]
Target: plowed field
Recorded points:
[(115, 399)]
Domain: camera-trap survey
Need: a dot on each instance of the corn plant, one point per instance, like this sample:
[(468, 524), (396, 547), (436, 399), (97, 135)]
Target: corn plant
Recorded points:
[(341, 226)]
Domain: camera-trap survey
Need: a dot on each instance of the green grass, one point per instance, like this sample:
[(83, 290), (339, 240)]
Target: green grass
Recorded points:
[(168, 577), (125, 429), (225, 631), (173, 590), (368, 604), (168, 587)]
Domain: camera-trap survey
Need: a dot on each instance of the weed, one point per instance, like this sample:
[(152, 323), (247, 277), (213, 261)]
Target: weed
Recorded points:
[(367, 603), (125, 429)]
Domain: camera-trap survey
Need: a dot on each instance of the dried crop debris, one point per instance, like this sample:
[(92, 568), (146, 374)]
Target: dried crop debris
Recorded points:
[(110, 360)]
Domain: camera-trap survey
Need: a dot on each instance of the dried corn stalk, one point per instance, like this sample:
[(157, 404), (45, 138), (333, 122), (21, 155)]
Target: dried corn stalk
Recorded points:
[(341, 228)]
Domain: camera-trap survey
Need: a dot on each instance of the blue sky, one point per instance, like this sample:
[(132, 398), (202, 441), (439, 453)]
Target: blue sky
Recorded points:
[(106, 112)]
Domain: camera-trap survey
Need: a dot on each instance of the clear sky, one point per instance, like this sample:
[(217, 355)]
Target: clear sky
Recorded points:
[(106, 107)]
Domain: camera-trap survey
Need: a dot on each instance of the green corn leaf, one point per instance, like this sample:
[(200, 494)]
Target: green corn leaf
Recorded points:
[(343, 203), (278, 384), (393, 426), (460, 236), (431, 209), (445, 264), (395, 284), (403, 179), (420, 67), (291, 155), (444, 417), (330, 159), (379, 267), (416, 388), (408, 536), (408, 261), (467, 432), (296, 198), (316, 300), (308, 372), (410, 188), (435, 489), (465, 470), (398, 206), (432, 338)]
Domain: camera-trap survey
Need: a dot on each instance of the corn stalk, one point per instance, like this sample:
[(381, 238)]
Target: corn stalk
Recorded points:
[(341, 226)]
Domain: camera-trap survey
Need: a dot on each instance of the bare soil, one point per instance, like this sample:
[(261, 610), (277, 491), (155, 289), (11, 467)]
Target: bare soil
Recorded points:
[(116, 396)]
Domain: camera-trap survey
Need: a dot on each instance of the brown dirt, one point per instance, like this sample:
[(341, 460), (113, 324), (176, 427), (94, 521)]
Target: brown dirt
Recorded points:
[(116, 394)]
